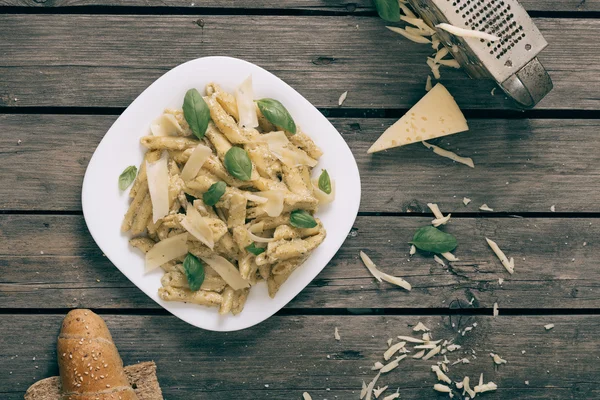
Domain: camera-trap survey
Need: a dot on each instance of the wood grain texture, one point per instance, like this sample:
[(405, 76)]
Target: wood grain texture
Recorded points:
[(285, 356), (521, 165), (554, 269), (87, 61), (266, 5)]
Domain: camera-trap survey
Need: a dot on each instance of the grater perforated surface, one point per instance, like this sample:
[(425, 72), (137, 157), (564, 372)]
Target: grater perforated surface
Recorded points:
[(520, 41)]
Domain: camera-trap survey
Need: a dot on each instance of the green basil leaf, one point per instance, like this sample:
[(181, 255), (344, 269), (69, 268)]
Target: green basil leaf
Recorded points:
[(127, 177), (255, 250), (194, 271), (214, 193), (388, 9), (277, 114), (238, 163), (302, 219), (325, 182), (196, 112), (431, 239)]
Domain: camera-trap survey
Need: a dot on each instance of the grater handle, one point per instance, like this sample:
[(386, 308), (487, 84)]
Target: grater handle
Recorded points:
[(529, 85)]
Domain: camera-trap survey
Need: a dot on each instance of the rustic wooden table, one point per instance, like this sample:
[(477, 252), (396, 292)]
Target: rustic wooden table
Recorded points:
[(68, 68)]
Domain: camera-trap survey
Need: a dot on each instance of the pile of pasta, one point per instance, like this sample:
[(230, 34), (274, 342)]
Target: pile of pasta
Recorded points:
[(248, 235)]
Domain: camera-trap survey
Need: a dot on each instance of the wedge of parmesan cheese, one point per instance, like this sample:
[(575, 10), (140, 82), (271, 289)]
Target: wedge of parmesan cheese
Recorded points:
[(435, 115)]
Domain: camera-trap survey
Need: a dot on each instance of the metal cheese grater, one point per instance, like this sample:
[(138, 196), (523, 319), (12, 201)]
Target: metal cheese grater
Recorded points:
[(512, 61)]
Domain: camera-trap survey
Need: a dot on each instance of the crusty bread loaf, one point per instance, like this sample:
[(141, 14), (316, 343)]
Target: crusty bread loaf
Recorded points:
[(89, 363), (141, 377)]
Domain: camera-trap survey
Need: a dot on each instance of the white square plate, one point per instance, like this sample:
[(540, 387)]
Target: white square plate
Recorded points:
[(104, 205)]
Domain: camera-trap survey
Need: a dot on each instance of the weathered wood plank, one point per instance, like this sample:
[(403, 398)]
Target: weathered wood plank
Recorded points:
[(81, 60), (285, 356), (545, 162), (311, 5), (554, 268)]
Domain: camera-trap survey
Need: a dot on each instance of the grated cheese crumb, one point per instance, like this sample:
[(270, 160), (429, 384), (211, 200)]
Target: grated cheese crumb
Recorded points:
[(377, 366), (449, 256), (410, 36), (306, 396), (509, 265), (413, 250), (466, 201), (527, 382), (379, 275), (432, 353), (420, 328), (484, 207), (393, 350), (439, 260), (342, 98), (497, 359), (549, 326), (552, 208), (428, 85), (440, 375), (389, 342), (393, 396), (435, 210), (495, 310), (449, 154), (500, 281), (377, 392), (336, 334), (419, 354), (390, 366)]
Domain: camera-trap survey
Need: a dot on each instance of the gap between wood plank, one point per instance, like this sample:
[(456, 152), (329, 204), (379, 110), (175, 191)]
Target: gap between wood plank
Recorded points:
[(163, 10)]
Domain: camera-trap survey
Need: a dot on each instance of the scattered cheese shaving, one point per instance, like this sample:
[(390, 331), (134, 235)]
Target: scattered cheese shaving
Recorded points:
[(449, 256), (441, 53), (377, 392), (428, 85), (426, 337), (488, 387), (501, 256), (500, 281), (410, 36), (244, 97), (450, 155), (549, 326), (382, 275), (553, 208), (306, 396), (198, 157), (432, 353), (342, 98), (449, 63), (442, 388), (435, 210), (166, 125), (390, 366), (435, 41), (440, 375), (467, 388), (420, 328), (484, 207), (419, 23), (453, 347), (392, 350), (495, 312), (441, 221), (336, 334), (377, 366), (166, 250), (497, 359), (466, 201), (363, 391), (456, 31), (158, 186), (407, 11), (467, 329), (393, 396), (435, 68), (439, 260), (197, 226), (461, 361), (389, 342), (411, 339), (419, 354), (413, 250), (226, 270), (427, 346)]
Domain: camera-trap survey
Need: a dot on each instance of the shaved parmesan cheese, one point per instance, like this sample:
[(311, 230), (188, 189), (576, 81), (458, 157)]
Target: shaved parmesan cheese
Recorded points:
[(419, 354), (481, 379), (427, 346), (336, 334), (342, 98), (435, 67), (377, 366), (442, 388), (549, 326), (449, 63), (382, 275), (500, 254), (413, 250), (449, 256), (441, 221), (259, 239), (432, 353), (274, 205), (419, 23), (435, 41), (467, 388), (158, 186), (497, 359), (453, 347), (254, 198), (227, 271), (428, 85), (420, 328), (406, 11), (452, 156), (466, 201), (495, 313), (244, 96), (363, 391), (435, 115), (166, 125), (467, 329), (278, 144), (411, 339), (274, 140), (441, 53), (377, 392), (553, 208), (439, 260), (409, 36), (371, 386), (440, 375), (197, 226), (500, 281), (390, 366), (198, 157), (389, 342), (306, 396), (484, 207), (456, 31), (392, 350), (435, 210), (426, 337), (488, 387), (461, 361), (393, 396), (323, 197), (166, 250)]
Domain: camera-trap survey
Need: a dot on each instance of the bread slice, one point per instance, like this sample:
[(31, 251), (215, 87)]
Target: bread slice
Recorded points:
[(141, 377)]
